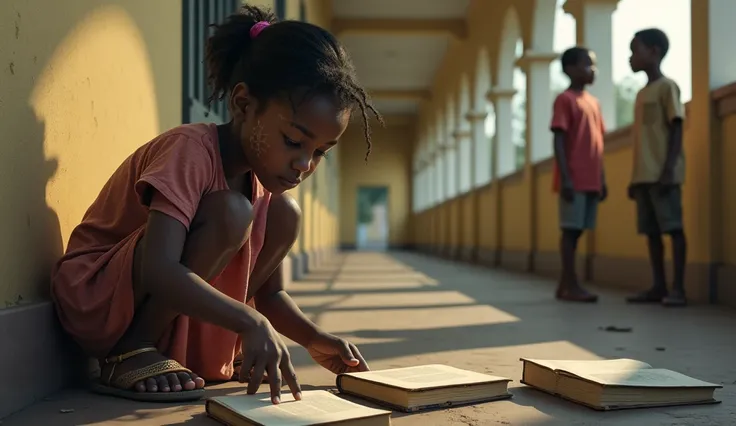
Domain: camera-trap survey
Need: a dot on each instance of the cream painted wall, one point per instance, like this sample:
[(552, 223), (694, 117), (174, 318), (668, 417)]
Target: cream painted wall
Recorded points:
[(389, 164), (82, 84)]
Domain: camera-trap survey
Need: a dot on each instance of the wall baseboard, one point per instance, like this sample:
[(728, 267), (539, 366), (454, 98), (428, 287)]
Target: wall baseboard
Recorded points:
[(549, 264), (36, 357), (704, 283), (487, 257), (516, 260), (726, 285), (635, 274)]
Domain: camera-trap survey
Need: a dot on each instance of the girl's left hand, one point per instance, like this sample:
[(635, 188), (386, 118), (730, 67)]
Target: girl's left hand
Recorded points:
[(336, 354)]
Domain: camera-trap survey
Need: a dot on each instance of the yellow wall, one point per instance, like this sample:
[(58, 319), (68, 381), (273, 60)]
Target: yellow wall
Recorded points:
[(728, 213), (389, 165), (316, 195), (82, 84)]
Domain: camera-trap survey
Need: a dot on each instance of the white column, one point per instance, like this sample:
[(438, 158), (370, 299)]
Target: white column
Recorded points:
[(481, 148), (450, 154), (595, 31), (424, 179), (415, 189), (505, 161), (465, 163), (439, 175), (427, 189), (421, 196), (431, 179), (538, 103), (426, 185)]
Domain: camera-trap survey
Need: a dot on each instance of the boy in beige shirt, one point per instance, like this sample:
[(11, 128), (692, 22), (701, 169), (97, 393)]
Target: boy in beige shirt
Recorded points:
[(659, 166)]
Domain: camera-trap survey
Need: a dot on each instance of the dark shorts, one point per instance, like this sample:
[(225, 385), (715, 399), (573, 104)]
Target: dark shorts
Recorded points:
[(658, 212), (581, 213)]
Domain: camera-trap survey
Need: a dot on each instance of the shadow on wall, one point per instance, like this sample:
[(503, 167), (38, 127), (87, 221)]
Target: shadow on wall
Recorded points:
[(77, 96)]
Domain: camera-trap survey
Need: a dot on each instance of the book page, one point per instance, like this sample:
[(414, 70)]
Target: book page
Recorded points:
[(426, 376), (594, 366), (647, 378), (315, 408)]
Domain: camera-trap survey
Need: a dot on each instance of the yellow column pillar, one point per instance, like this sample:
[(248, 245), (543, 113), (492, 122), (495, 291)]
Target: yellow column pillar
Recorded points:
[(703, 189)]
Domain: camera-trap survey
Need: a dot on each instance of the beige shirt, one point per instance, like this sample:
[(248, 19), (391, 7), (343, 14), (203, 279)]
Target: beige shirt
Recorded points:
[(656, 106)]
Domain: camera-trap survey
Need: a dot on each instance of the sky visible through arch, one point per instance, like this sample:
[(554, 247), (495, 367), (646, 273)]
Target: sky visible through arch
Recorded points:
[(671, 16)]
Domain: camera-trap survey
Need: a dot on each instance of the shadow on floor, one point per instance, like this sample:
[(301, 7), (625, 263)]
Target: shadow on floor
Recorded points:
[(406, 309), (434, 309)]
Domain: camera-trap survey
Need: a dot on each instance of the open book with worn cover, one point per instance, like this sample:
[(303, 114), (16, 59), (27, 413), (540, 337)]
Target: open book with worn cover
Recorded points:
[(423, 387), (616, 384), (316, 407)]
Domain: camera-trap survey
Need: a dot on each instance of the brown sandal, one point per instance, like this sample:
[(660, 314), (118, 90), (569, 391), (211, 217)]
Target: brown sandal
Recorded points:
[(123, 384)]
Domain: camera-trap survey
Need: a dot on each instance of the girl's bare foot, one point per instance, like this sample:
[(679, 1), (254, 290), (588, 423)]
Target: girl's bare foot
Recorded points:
[(137, 370)]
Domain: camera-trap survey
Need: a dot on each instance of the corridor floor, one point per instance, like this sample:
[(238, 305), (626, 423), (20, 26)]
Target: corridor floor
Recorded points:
[(406, 309)]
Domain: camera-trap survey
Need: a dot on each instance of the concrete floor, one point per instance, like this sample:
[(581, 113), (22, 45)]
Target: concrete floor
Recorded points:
[(407, 309)]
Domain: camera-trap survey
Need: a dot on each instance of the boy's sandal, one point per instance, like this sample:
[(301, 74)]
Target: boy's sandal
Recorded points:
[(122, 386)]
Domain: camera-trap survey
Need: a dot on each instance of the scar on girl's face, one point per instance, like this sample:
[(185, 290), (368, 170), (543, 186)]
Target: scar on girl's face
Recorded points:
[(258, 140)]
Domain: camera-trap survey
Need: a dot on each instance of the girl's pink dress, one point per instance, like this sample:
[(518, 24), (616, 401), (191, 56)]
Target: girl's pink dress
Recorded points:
[(92, 283)]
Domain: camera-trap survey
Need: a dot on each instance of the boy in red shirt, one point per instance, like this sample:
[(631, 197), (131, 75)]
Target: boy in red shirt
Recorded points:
[(577, 124)]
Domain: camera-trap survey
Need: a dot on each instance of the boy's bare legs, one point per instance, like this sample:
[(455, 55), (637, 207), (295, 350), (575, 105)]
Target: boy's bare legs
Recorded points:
[(569, 288), (661, 212), (679, 258), (219, 229), (577, 212), (656, 260)]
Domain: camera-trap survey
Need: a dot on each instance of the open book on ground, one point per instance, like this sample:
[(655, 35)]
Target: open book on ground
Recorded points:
[(316, 407), (423, 387), (616, 384)]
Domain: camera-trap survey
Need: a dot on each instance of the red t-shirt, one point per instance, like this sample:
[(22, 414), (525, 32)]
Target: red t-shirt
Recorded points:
[(578, 116)]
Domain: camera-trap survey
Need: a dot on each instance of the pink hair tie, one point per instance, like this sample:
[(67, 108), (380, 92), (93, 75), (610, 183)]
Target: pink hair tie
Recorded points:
[(257, 28)]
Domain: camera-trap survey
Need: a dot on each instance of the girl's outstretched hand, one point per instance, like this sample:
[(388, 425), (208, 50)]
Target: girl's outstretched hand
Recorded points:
[(336, 354), (265, 353)]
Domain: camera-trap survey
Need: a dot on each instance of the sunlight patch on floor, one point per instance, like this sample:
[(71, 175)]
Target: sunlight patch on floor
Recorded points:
[(383, 276), (383, 300), (354, 339), (367, 285), (414, 319)]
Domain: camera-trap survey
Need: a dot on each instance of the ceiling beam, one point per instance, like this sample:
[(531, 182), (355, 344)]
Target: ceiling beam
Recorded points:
[(392, 119), (399, 94), (454, 27)]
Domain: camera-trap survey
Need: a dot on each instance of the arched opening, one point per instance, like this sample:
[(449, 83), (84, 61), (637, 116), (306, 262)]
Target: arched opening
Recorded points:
[(483, 130), (631, 16), (518, 104), (430, 189), (465, 143), (563, 38), (425, 177), (510, 102), (451, 148), (439, 164)]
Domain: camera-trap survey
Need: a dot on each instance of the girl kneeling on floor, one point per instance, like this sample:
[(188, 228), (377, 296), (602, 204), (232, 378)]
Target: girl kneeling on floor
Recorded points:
[(163, 276)]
